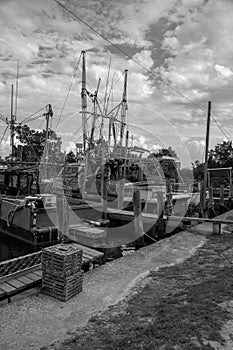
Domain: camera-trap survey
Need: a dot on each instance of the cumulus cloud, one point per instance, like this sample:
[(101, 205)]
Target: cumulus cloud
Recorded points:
[(187, 44)]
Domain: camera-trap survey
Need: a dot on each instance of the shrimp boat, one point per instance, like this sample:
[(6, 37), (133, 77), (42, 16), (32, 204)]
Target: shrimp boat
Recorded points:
[(102, 173)]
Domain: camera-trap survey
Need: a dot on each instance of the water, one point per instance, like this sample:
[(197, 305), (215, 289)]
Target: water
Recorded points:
[(12, 248)]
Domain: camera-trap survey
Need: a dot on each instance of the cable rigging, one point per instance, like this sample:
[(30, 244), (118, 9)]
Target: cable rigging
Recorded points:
[(76, 66), (149, 71)]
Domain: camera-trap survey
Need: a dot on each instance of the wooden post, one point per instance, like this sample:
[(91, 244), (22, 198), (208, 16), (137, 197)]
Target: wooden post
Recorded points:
[(202, 201), (121, 186), (62, 217), (104, 187), (211, 197), (221, 195), (216, 228), (138, 221), (160, 211), (230, 185), (169, 204)]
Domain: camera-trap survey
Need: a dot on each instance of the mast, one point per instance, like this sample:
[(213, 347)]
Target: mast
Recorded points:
[(48, 114), (12, 121), (17, 89), (105, 100), (206, 157), (84, 100), (95, 114), (124, 108)]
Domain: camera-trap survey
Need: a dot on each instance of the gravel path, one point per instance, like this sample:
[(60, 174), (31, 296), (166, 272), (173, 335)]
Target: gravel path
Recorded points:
[(38, 320)]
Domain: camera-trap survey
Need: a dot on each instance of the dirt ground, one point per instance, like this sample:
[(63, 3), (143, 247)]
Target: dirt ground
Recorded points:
[(38, 320), (175, 294), (185, 306)]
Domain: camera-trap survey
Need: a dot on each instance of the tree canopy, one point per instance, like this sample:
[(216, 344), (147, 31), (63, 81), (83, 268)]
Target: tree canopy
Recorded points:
[(33, 141), (164, 152), (219, 157)]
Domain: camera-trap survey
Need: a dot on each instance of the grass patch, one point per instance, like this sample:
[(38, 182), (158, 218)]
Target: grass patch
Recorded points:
[(178, 310)]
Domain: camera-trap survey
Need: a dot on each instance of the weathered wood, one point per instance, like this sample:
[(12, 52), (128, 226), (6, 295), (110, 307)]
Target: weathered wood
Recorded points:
[(7, 287), (120, 192), (160, 212), (216, 228), (211, 198), (27, 278), (230, 186), (169, 203), (160, 204), (104, 185), (138, 222), (221, 194), (201, 206), (16, 283), (62, 217)]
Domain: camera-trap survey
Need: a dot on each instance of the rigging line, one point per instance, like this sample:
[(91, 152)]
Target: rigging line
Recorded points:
[(35, 118), (41, 124), (2, 117), (3, 135), (70, 87), (109, 94), (220, 128), (221, 124), (133, 59), (106, 87), (130, 57), (25, 120), (112, 87), (30, 144)]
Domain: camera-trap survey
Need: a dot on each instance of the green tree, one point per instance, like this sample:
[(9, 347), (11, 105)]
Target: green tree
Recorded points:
[(198, 170), (70, 157), (33, 141), (165, 152), (221, 156)]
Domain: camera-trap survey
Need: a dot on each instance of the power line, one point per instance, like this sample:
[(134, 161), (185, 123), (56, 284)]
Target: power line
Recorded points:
[(220, 127), (127, 55), (149, 71), (70, 87)]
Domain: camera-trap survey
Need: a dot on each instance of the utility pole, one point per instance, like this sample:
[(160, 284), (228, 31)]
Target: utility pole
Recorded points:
[(84, 100), (206, 160)]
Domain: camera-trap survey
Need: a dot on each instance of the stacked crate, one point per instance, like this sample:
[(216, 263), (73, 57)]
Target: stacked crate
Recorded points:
[(62, 276)]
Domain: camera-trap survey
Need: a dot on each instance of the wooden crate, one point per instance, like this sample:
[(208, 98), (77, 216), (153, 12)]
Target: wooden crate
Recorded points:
[(90, 236), (62, 277), (62, 288), (62, 260)]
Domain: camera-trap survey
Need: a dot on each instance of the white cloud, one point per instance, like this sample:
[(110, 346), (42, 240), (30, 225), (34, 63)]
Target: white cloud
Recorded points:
[(224, 71), (195, 51)]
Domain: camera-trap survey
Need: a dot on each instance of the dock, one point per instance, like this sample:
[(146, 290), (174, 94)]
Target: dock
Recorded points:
[(16, 277)]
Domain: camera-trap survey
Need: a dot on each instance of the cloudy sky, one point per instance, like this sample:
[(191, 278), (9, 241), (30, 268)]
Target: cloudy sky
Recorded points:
[(182, 57)]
